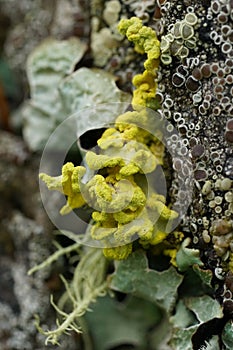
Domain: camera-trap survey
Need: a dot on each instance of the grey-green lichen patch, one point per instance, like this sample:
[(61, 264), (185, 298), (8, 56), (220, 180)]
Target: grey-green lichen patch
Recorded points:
[(227, 335), (31, 22), (191, 313), (114, 324), (181, 338), (47, 65), (134, 276), (183, 317), (204, 307), (87, 87), (179, 40), (56, 93), (187, 256), (205, 275), (104, 34)]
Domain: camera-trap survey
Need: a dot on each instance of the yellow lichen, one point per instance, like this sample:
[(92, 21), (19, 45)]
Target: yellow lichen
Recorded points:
[(145, 41), (144, 94), (118, 253), (99, 161), (165, 213), (131, 136), (158, 238), (123, 217), (67, 183), (124, 212), (172, 254)]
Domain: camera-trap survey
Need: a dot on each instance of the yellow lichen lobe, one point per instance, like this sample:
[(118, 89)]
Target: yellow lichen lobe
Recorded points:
[(158, 237), (118, 253), (165, 212), (144, 94), (67, 183), (53, 183), (99, 161), (145, 41), (172, 254), (144, 38)]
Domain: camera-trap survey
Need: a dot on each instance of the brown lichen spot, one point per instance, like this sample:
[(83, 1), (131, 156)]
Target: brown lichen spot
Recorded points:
[(231, 4), (225, 29), (182, 70), (229, 79), (177, 165), (201, 109), (229, 63), (229, 136), (206, 104), (225, 100), (175, 47), (192, 141), (228, 294), (221, 82), (220, 73), (114, 62), (198, 151), (205, 70), (230, 54), (177, 80), (222, 18), (215, 6), (159, 97), (214, 67), (225, 9), (230, 36), (218, 89), (229, 125), (197, 74), (192, 84), (183, 129), (157, 12), (200, 175)]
